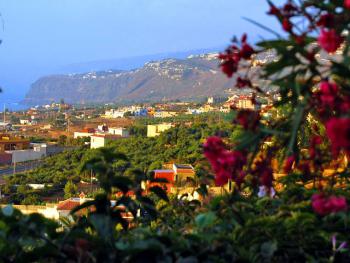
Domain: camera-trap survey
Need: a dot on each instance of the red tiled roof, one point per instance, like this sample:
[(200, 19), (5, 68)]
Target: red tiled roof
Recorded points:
[(88, 130), (129, 194), (68, 205), (165, 174)]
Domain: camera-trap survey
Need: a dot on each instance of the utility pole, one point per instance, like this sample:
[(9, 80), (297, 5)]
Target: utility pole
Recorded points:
[(14, 164), (91, 181), (4, 112)]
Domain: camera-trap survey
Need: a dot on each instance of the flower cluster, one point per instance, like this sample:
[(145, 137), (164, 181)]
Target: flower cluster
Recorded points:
[(248, 119), (321, 95), (284, 14), (329, 38), (333, 108), (234, 54), (227, 165), (263, 171), (324, 205), (338, 132), (347, 4), (313, 150), (288, 164)]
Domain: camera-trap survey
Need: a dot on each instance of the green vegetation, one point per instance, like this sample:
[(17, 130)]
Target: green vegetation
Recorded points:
[(301, 215), (70, 189), (182, 144)]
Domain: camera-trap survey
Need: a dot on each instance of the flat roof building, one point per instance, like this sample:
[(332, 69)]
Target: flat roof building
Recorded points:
[(157, 129), (101, 140)]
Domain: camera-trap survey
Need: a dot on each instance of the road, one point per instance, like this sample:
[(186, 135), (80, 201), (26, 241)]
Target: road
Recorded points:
[(20, 168)]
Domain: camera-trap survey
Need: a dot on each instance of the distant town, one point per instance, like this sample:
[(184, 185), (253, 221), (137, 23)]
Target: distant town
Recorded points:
[(29, 137)]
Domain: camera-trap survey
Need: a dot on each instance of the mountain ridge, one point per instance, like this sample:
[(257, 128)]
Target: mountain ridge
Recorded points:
[(193, 78)]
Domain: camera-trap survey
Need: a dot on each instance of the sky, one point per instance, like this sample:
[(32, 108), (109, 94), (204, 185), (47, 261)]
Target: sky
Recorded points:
[(41, 36)]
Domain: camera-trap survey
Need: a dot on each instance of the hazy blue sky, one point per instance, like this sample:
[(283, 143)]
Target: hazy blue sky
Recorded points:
[(41, 35)]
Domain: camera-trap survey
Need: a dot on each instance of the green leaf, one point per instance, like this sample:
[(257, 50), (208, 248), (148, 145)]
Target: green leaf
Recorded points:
[(8, 210), (268, 249), (103, 225), (297, 120), (205, 219), (263, 27), (159, 192), (121, 182)]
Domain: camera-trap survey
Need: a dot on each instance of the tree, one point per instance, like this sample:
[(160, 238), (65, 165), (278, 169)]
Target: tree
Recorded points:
[(62, 140), (14, 119), (306, 221), (70, 189)]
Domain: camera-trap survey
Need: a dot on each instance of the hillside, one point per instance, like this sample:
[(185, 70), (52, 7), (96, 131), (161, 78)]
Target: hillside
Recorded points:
[(193, 78)]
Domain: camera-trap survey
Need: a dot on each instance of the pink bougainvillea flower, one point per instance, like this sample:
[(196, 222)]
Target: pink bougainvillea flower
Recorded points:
[(246, 51), (213, 148), (273, 10), (233, 55), (226, 164), (300, 40), (229, 67), (327, 97), (243, 83), (264, 172), (287, 25), (288, 165), (324, 205), (230, 167), (347, 4), (314, 142), (326, 20), (266, 177), (327, 87), (329, 40), (248, 119), (344, 105), (338, 132), (288, 8)]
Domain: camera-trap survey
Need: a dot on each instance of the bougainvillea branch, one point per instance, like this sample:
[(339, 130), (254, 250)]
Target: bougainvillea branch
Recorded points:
[(309, 73)]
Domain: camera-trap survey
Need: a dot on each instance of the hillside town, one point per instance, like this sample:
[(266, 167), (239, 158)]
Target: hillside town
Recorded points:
[(30, 137), (175, 131)]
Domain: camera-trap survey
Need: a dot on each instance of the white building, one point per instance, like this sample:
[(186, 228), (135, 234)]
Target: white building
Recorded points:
[(38, 152), (101, 140), (114, 114), (155, 130), (123, 132), (194, 111), (24, 122), (164, 114), (102, 128)]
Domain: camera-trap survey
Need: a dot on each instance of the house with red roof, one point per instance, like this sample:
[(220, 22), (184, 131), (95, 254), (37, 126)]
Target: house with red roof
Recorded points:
[(176, 175)]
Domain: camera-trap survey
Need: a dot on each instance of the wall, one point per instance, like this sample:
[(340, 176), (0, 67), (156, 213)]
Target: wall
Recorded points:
[(82, 134), (27, 155), (5, 158), (97, 142), (119, 131), (49, 211), (155, 130)]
